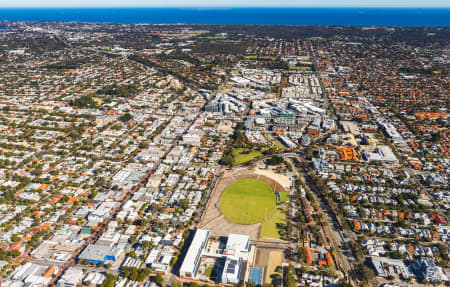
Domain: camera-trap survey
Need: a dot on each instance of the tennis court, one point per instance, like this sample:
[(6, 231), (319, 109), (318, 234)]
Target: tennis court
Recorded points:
[(255, 275)]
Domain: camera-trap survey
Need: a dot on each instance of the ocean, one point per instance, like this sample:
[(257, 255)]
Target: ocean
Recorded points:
[(257, 16)]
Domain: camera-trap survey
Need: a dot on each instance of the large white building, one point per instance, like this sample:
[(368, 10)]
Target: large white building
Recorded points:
[(193, 256), (391, 132), (231, 271), (238, 246), (381, 153), (235, 255)]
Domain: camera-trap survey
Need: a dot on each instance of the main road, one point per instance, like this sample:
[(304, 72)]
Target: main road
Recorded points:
[(331, 227)]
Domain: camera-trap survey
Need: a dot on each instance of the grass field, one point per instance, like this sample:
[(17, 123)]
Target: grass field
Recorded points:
[(214, 38), (279, 145), (284, 196), (259, 58), (98, 100), (248, 201), (302, 68), (269, 228), (275, 260), (241, 157), (199, 32), (316, 38)]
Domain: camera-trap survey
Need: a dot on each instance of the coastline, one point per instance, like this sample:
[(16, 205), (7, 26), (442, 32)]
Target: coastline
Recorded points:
[(410, 17)]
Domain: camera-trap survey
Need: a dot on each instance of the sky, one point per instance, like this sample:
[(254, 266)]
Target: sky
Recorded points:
[(224, 3)]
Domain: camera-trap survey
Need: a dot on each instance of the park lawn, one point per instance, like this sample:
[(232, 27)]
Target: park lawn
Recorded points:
[(259, 58), (248, 201), (199, 32), (213, 38), (269, 228), (284, 197), (175, 35), (279, 145), (302, 68), (98, 100), (241, 158), (275, 260)]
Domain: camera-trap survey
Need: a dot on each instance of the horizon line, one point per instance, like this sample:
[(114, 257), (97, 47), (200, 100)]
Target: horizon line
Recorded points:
[(222, 7)]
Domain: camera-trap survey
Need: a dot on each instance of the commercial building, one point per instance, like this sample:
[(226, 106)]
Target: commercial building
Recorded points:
[(95, 253), (287, 142), (392, 132), (72, 277), (381, 154)]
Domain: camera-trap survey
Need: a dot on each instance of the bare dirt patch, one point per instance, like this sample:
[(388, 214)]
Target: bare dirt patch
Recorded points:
[(270, 260)]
